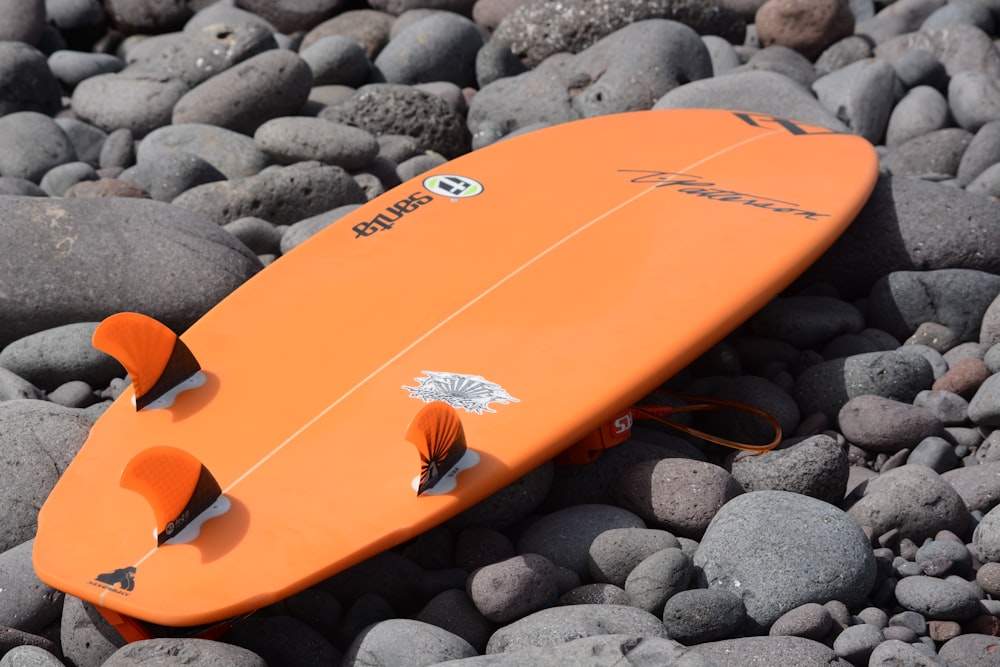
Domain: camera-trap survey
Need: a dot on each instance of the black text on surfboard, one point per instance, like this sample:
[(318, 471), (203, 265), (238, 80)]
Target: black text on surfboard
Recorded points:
[(391, 215), (777, 122)]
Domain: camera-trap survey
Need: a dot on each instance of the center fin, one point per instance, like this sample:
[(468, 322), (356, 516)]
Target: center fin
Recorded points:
[(156, 359), (175, 484), (437, 433)]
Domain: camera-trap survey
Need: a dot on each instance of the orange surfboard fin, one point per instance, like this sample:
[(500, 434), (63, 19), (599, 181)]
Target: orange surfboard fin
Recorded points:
[(437, 433), (156, 359), (177, 486)]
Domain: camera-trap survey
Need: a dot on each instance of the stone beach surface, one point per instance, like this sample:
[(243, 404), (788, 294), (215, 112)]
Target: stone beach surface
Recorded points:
[(155, 155)]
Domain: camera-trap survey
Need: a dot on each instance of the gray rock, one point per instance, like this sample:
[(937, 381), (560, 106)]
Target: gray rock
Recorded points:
[(232, 153), (937, 599), (856, 643), (959, 47), (147, 17), (982, 152), (31, 144), (293, 139), (510, 505), (268, 85), (755, 90), (783, 60), (615, 553), (921, 68), (935, 154), (13, 185), (187, 651), (650, 489), (49, 358), (703, 615), (939, 367), (721, 52), (974, 99), (932, 553), (72, 67), (936, 453), (899, 229), (770, 651), (513, 588), (956, 298), (27, 605), (977, 485), (13, 387), (87, 140), (807, 321), (625, 71), (912, 499), (386, 108), (595, 594), (881, 424), (844, 52), (809, 29), (902, 17), (337, 60), (38, 440), (810, 620), (564, 537), (440, 47), (188, 263), (657, 578), (368, 27), (557, 625), (496, 61), (972, 650), (895, 652), (814, 552), (73, 394), (453, 610), (602, 650), (136, 102), (25, 655), (861, 94), (87, 640), (281, 195), (402, 641), (171, 173), (259, 235), (61, 178), (816, 467), (26, 82), (118, 150), (986, 184), (827, 386), (281, 640), (535, 31), (960, 11), (303, 229)]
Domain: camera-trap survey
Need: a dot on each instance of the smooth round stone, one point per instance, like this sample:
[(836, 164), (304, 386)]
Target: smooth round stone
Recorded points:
[(60, 178), (72, 67), (615, 553), (259, 235), (784, 60), (268, 85), (557, 625), (810, 620), (31, 144), (26, 655), (936, 453), (934, 154), (912, 499), (896, 652), (368, 27), (807, 27), (984, 408), (960, 47), (513, 588), (28, 604), (770, 651), (856, 643), (807, 321), (652, 490), (118, 150), (842, 53), (657, 578), (937, 598), (864, 93), (511, 504), (303, 229), (964, 377), (987, 183), (960, 11), (954, 552), (974, 99), (147, 16), (814, 553), (985, 544), (923, 109), (337, 60), (982, 153), (52, 357), (73, 394), (440, 47), (195, 652), (280, 195), (293, 139), (282, 640), (26, 82), (978, 485), (454, 611), (920, 67), (816, 467), (595, 594), (113, 101), (703, 615), (232, 153), (13, 185), (290, 16), (971, 650), (87, 140), (881, 424), (171, 174), (565, 536)]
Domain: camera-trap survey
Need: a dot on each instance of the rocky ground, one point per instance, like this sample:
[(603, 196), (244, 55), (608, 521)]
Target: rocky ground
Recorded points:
[(154, 155)]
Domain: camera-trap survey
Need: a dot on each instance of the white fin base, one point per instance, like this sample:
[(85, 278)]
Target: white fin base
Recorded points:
[(192, 530), (165, 401), (448, 483)]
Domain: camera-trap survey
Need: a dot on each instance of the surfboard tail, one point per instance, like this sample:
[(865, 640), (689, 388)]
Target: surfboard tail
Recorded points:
[(437, 433), (156, 359), (177, 486)]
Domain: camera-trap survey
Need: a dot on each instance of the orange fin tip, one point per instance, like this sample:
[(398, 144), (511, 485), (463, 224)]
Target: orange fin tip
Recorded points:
[(158, 362), (436, 431), (179, 488)]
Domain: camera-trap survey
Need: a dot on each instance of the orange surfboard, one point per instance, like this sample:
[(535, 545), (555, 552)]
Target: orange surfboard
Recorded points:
[(431, 347)]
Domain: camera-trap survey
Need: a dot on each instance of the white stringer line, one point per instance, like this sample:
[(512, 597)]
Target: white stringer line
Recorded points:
[(264, 459)]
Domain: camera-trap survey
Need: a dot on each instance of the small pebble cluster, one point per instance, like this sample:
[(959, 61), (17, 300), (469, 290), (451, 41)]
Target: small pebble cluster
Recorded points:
[(154, 155)]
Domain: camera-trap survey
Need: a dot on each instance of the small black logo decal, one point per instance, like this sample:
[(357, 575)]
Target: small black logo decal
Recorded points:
[(123, 577)]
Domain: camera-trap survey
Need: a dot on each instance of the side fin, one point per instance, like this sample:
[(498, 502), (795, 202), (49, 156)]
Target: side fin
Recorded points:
[(155, 358), (176, 485), (437, 433)]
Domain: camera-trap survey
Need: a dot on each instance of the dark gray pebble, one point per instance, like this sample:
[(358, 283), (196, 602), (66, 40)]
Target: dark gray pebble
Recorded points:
[(935, 154), (293, 16), (615, 553), (602, 650), (984, 408), (974, 99), (268, 85), (513, 588), (983, 152), (816, 467), (367, 27), (810, 620), (856, 643), (807, 321), (14, 185), (259, 235), (923, 109), (863, 95), (195, 652), (232, 153), (72, 67), (73, 394), (913, 499), (61, 178), (440, 47), (453, 610), (960, 47), (26, 82), (337, 60), (25, 654), (171, 173), (402, 641), (936, 453), (28, 605), (703, 615), (657, 578), (881, 424), (31, 144), (978, 485), (937, 598), (295, 139), (280, 195), (595, 594), (136, 102), (118, 150), (510, 505), (52, 357), (87, 140), (282, 640), (971, 650), (771, 651)]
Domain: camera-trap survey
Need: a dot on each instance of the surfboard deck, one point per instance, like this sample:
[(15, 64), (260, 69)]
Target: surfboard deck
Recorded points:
[(539, 286)]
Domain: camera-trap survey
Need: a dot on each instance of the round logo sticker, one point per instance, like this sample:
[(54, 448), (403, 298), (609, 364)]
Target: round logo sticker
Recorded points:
[(455, 187)]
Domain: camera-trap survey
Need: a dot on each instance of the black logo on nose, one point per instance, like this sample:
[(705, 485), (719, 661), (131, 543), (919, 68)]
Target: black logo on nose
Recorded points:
[(124, 577)]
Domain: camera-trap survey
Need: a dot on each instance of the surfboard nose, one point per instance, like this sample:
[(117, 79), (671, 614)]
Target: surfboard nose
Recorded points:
[(176, 485), (156, 359)]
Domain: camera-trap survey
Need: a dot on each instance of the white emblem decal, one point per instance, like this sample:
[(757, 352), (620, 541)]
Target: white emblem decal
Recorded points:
[(472, 393), (455, 187)]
